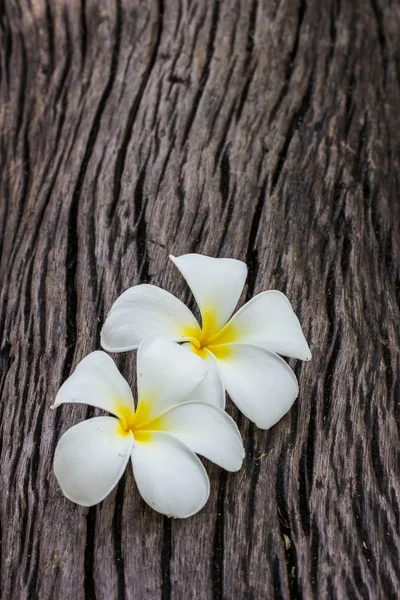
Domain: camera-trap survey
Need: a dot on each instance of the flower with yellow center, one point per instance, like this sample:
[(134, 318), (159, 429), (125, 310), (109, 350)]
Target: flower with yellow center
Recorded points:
[(161, 436), (240, 351)]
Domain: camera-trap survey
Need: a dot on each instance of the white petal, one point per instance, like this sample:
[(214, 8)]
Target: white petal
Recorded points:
[(211, 389), (207, 430), (267, 320), (146, 310), (259, 382), (90, 459), (97, 381), (170, 477), (216, 283), (167, 373)]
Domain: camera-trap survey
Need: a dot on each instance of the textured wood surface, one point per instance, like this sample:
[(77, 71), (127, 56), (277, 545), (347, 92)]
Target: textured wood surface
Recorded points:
[(265, 130)]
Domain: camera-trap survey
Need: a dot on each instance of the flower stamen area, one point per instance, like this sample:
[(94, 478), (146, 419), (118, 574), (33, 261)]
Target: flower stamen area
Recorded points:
[(137, 422), (209, 337)]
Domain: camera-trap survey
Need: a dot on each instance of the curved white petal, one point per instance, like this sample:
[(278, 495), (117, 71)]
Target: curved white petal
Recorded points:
[(170, 477), (97, 381), (260, 383), (167, 373), (267, 320), (211, 389), (207, 430), (216, 283), (90, 459), (146, 310)]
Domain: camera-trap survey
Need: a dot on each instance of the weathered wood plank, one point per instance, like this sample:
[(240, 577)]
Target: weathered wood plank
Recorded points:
[(264, 130)]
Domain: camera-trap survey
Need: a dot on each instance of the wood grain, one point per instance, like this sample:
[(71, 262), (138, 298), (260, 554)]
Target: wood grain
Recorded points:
[(264, 130)]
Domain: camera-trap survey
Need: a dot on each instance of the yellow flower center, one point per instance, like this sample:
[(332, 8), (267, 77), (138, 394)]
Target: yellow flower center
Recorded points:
[(140, 423), (209, 337)]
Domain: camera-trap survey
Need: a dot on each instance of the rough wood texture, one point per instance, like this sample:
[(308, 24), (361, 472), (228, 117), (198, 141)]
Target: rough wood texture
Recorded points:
[(266, 130)]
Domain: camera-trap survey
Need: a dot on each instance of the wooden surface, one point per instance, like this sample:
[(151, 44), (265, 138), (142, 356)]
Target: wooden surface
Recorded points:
[(265, 130)]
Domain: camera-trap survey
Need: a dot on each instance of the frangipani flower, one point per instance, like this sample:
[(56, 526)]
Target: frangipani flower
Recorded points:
[(161, 436), (241, 352)]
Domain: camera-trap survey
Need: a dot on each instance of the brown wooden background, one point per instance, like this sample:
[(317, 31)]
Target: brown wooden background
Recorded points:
[(265, 130)]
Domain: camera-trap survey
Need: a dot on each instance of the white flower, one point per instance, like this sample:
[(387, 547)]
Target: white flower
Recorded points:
[(161, 436), (241, 353)]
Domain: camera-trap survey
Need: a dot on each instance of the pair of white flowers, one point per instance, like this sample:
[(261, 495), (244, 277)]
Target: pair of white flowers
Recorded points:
[(183, 371)]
